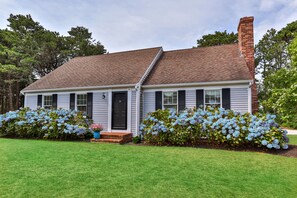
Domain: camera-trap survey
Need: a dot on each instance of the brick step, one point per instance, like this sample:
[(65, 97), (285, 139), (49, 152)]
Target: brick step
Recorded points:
[(114, 137), (107, 140)]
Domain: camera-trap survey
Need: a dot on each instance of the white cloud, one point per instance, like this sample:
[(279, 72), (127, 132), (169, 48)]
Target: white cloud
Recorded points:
[(173, 24)]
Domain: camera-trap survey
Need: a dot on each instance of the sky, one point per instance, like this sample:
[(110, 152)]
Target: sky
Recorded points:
[(122, 25)]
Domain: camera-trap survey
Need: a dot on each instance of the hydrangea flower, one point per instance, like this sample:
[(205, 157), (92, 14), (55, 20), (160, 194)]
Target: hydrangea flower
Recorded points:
[(220, 123)]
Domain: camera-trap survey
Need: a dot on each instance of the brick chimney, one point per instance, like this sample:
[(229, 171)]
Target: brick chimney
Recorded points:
[(246, 46)]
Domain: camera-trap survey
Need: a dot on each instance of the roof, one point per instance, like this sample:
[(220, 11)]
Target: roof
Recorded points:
[(121, 68), (204, 64)]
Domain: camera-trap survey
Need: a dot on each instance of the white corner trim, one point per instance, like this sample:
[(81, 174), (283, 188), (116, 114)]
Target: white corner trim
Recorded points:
[(129, 110), (109, 109), (197, 84), (25, 100), (137, 111), (250, 99)]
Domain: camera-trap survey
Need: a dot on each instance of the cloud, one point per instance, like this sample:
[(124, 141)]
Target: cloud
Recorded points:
[(124, 25)]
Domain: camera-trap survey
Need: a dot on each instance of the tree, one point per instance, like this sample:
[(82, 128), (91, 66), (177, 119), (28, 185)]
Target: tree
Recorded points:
[(12, 72), (218, 38), (29, 51), (82, 44), (271, 55)]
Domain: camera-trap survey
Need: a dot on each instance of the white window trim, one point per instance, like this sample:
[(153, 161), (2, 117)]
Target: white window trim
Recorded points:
[(176, 99), (50, 106), (212, 89), (76, 95), (83, 93)]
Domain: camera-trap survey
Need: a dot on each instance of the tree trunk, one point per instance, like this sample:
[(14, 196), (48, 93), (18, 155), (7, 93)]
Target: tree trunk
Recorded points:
[(17, 95), (10, 94)]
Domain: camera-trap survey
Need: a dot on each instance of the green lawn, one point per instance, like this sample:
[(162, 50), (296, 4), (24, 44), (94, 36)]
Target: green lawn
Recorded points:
[(36, 168), (293, 139)]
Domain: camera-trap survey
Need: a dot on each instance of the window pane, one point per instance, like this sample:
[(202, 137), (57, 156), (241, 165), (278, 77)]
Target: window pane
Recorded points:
[(173, 107), (174, 98), (170, 98), (213, 97), (82, 99), (213, 105), (82, 108), (48, 100), (207, 98)]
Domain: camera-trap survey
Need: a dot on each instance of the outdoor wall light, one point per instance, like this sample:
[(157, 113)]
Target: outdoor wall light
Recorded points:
[(103, 96)]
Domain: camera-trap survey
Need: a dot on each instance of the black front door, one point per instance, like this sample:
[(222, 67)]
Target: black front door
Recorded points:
[(119, 110)]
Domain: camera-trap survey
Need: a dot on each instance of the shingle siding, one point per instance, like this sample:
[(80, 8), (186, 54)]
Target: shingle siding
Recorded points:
[(63, 101), (239, 99), (100, 109), (148, 103)]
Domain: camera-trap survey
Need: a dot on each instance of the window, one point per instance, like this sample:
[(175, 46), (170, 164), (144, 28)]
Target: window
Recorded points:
[(170, 100), (47, 102), (213, 98), (81, 102)]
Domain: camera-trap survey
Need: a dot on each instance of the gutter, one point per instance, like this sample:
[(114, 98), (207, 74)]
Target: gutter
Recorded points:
[(77, 88), (198, 84)]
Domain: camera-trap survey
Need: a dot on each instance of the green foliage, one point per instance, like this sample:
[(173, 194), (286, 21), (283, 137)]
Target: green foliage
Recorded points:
[(218, 38), (275, 56), (217, 126), (293, 51), (42, 123), (283, 99), (136, 140), (29, 51), (82, 43)]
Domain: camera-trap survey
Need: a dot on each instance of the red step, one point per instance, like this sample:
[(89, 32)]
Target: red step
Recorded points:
[(114, 137), (107, 140)]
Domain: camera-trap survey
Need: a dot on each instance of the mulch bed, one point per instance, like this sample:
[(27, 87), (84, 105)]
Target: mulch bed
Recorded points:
[(290, 152)]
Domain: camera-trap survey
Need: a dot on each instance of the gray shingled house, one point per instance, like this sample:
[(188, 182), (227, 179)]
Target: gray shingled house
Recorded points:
[(119, 89)]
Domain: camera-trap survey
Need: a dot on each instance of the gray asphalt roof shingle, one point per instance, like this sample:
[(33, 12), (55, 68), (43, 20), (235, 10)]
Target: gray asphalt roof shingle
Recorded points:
[(206, 64)]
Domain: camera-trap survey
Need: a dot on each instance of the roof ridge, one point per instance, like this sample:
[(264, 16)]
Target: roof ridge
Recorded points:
[(119, 52), (195, 48)]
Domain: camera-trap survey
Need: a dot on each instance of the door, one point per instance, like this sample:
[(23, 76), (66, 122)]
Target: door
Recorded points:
[(119, 110)]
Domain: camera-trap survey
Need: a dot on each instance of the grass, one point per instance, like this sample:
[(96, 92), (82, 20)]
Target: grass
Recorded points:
[(36, 168), (293, 139)]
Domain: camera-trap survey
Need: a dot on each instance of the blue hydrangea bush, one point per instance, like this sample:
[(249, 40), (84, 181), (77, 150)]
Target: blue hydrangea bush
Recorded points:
[(217, 126), (57, 124)]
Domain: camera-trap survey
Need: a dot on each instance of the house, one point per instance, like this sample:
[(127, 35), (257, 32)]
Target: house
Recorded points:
[(119, 89)]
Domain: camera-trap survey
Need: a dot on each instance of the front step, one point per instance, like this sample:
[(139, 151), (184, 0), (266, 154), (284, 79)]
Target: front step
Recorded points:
[(114, 137)]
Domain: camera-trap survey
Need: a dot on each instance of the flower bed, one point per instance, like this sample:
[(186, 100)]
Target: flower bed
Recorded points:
[(217, 126), (58, 124)]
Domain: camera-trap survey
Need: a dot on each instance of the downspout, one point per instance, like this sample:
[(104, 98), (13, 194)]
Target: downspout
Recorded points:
[(138, 88)]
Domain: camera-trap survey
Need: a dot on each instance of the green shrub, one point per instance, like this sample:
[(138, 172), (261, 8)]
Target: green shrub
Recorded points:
[(42, 123), (217, 126), (136, 139)]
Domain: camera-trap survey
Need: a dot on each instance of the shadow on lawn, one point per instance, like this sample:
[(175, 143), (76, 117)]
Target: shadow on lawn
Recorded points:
[(290, 152)]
